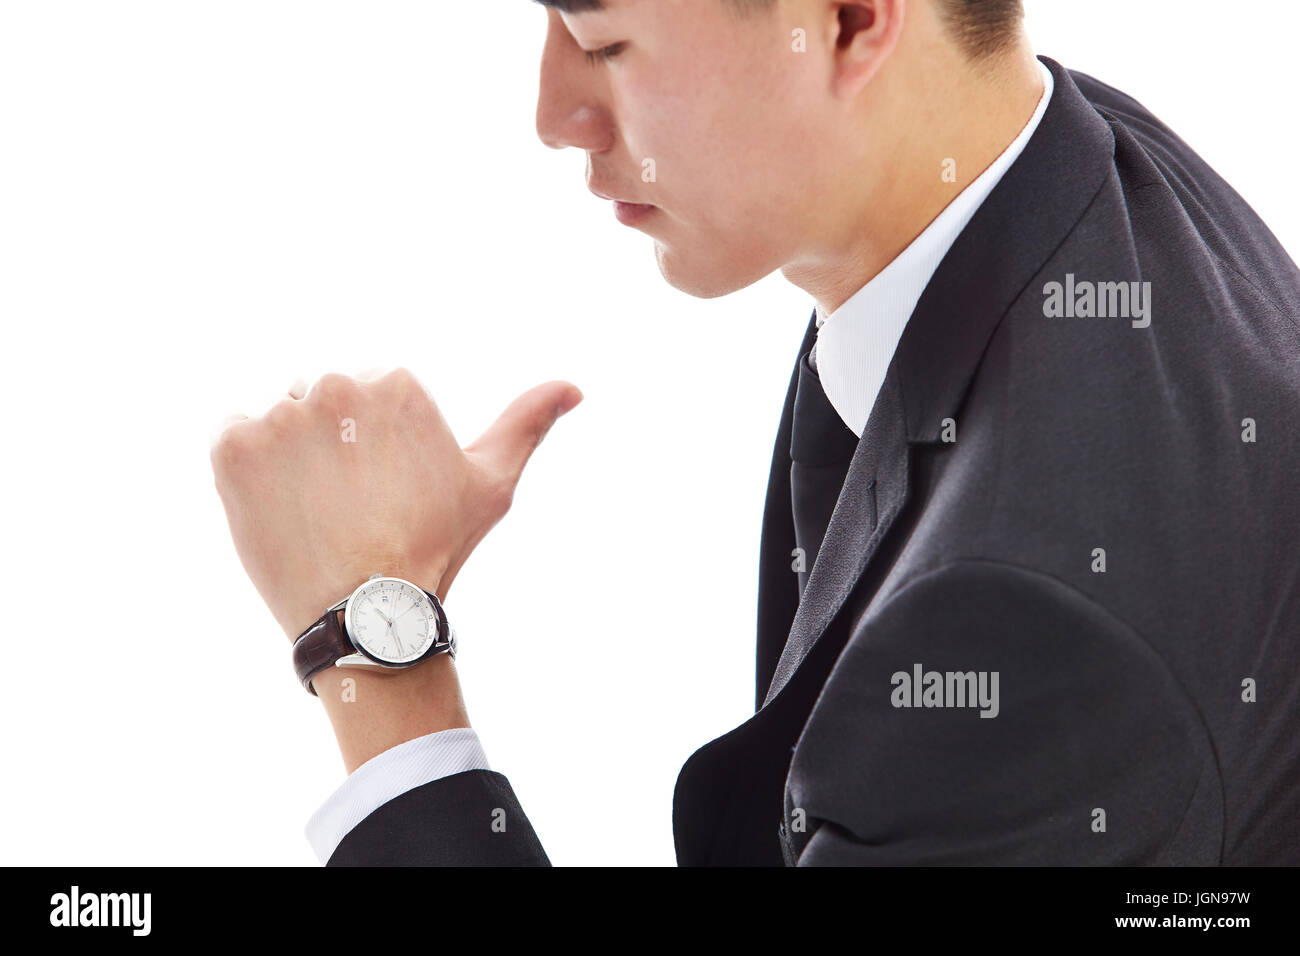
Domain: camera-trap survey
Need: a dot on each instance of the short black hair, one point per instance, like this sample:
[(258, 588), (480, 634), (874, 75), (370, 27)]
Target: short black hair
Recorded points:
[(573, 6), (582, 6), (981, 27)]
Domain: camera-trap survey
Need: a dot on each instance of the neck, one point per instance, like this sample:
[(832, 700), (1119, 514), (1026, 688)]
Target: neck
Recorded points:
[(947, 109)]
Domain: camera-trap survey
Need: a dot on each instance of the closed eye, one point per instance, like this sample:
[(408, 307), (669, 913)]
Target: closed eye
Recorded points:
[(605, 53)]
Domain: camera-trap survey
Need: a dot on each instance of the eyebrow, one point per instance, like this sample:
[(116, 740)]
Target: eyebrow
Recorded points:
[(573, 6)]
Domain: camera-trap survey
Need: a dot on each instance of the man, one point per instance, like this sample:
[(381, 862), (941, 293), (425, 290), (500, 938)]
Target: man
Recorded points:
[(1028, 588)]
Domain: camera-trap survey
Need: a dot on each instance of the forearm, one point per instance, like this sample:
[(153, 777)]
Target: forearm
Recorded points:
[(372, 713)]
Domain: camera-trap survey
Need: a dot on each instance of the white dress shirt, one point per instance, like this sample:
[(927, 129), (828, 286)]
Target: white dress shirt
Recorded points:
[(856, 342), (855, 345), (388, 776)]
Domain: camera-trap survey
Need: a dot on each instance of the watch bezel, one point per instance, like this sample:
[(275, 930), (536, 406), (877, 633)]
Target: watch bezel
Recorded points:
[(439, 619)]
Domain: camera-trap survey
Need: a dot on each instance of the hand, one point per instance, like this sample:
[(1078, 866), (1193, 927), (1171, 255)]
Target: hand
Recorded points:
[(363, 477)]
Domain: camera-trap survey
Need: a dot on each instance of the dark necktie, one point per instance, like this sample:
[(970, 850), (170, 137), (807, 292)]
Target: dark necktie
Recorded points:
[(821, 447)]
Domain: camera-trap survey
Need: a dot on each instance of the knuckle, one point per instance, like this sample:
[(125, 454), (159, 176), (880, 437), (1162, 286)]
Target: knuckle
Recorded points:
[(233, 447), (404, 391), (403, 377), (281, 416), (334, 387), (401, 382)]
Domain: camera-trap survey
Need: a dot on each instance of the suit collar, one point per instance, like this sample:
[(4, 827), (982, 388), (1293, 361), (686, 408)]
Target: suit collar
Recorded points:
[(856, 342), (1023, 221), (1008, 240)]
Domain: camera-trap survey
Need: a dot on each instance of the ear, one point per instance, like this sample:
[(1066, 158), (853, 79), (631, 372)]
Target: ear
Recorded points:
[(866, 32)]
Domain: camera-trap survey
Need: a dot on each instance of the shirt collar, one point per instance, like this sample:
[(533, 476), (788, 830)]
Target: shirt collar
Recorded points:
[(856, 342)]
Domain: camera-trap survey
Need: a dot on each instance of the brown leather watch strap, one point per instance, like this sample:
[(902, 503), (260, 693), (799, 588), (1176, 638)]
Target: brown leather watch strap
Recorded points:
[(319, 647)]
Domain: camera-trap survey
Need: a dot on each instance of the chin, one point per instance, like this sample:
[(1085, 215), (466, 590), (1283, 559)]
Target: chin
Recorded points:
[(702, 276)]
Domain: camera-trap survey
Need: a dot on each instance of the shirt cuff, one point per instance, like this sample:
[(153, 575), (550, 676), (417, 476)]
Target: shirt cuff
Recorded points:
[(388, 776)]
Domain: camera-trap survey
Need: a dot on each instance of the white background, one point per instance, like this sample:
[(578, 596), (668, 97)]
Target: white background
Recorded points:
[(201, 201)]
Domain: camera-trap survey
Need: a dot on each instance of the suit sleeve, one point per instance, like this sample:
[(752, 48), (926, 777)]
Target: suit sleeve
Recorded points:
[(1063, 739), (467, 819)]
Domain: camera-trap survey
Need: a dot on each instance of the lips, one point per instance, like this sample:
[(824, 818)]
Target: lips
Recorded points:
[(601, 194), (627, 212), (630, 214)]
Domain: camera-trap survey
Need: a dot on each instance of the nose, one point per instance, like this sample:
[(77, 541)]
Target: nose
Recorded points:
[(572, 104)]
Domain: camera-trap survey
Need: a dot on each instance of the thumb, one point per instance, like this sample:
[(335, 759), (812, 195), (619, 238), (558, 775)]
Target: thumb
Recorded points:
[(511, 440)]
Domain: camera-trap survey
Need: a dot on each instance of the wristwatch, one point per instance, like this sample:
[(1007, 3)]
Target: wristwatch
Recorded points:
[(387, 624)]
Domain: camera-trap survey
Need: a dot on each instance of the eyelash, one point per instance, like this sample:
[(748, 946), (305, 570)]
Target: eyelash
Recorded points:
[(605, 53)]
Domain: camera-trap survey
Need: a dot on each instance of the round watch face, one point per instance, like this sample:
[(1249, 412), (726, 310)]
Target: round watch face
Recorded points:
[(391, 621)]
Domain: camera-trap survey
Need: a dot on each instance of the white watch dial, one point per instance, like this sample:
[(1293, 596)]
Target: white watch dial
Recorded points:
[(392, 620)]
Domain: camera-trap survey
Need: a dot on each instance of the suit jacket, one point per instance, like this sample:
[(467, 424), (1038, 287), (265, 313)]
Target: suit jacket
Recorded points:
[(1103, 514)]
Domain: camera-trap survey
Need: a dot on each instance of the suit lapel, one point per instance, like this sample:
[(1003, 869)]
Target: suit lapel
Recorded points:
[(778, 587), (987, 268), (874, 492)]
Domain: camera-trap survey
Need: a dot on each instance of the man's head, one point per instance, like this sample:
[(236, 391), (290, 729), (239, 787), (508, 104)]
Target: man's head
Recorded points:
[(757, 130)]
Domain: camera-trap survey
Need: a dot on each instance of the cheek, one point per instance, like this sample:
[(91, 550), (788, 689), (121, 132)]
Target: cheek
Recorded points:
[(708, 152), (667, 122), (692, 112), (732, 140)]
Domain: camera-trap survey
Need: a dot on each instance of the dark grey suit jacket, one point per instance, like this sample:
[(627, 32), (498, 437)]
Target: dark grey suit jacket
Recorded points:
[(1104, 515)]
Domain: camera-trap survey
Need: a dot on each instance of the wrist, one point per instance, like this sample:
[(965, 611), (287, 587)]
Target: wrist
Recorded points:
[(374, 712)]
